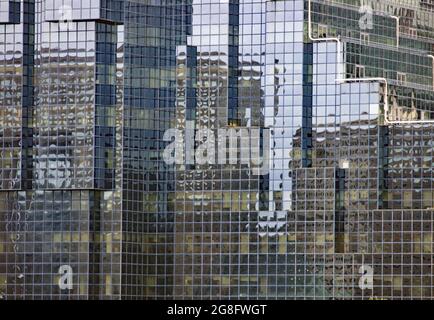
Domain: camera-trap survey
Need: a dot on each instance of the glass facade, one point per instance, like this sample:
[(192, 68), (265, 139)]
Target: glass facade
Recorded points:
[(340, 93)]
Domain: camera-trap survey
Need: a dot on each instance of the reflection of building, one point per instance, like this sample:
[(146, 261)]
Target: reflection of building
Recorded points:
[(83, 182), (317, 220), (83, 105)]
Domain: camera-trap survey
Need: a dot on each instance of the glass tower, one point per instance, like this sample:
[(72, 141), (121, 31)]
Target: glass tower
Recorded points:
[(336, 96)]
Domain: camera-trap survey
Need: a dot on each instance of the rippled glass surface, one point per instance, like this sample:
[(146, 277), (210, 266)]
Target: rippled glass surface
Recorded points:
[(88, 90)]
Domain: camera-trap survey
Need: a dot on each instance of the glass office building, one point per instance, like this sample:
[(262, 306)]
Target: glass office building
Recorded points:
[(339, 94)]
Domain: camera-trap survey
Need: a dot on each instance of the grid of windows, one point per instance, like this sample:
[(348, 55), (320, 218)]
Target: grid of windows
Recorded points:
[(89, 88), (10, 11)]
